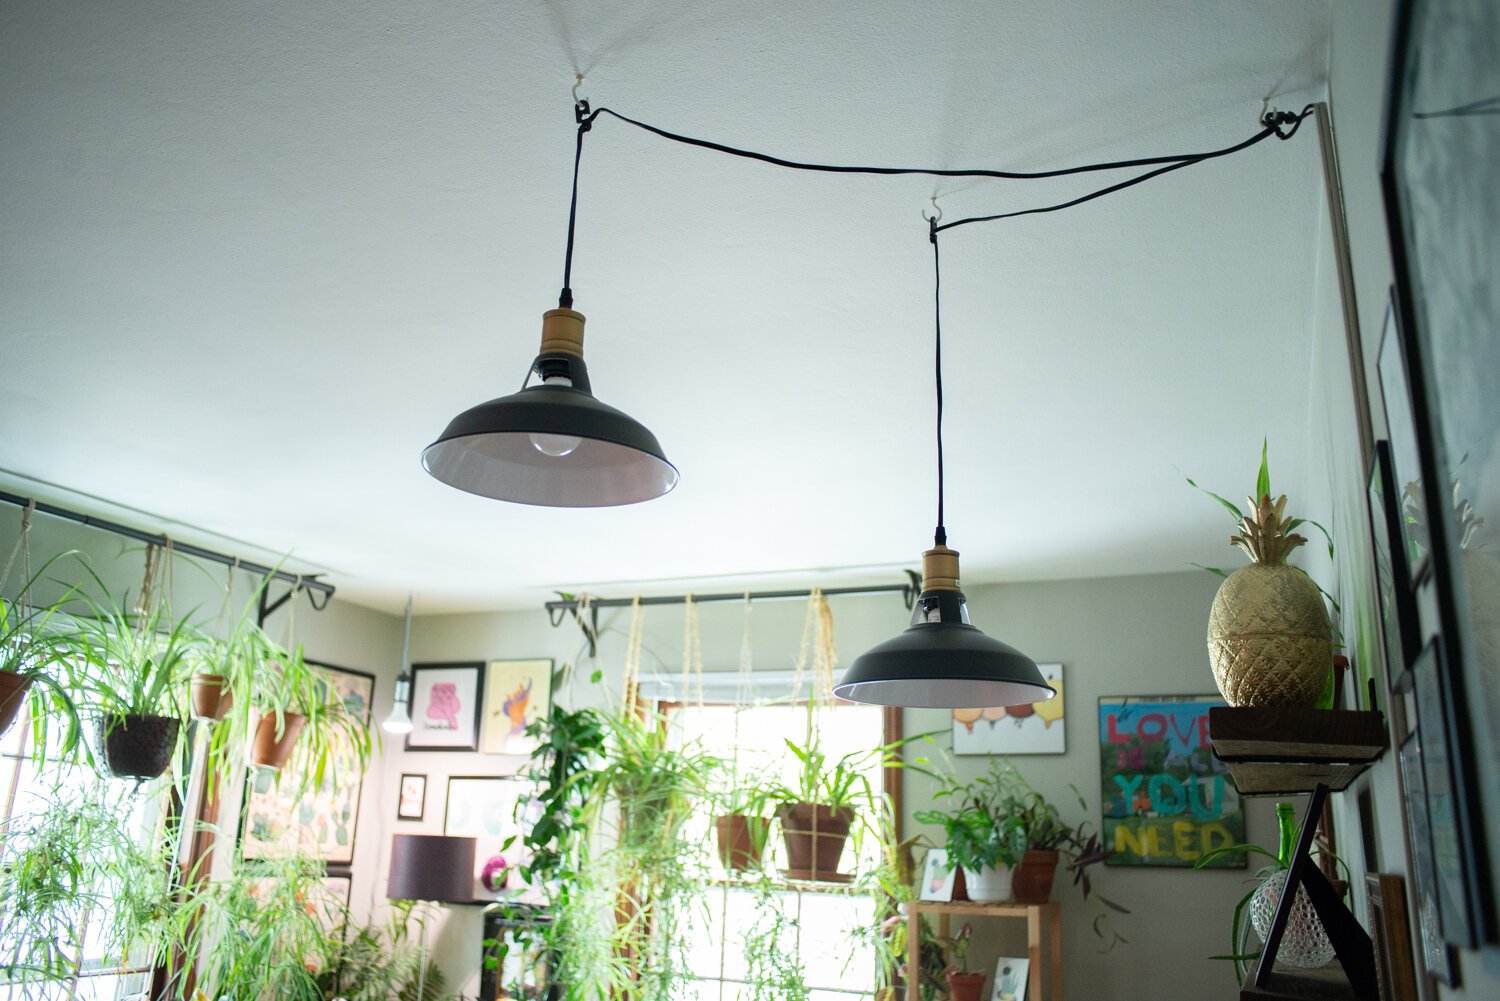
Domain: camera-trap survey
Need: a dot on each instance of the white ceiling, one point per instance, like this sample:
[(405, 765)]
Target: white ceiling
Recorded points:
[(253, 257)]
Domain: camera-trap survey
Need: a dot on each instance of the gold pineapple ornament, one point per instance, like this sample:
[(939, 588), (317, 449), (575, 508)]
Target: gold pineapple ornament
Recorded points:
[(1269, 638)]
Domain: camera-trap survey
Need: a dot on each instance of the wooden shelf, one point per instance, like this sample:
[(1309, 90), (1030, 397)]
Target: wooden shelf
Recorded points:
[(1037, 916), (1324, 984), (1285, 750)]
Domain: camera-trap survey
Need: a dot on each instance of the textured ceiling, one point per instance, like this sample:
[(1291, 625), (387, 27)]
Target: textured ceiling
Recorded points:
[(254, 257)]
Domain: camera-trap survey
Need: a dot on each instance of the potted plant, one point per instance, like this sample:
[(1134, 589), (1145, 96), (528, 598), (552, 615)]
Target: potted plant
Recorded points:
[(817, 813), (1270, 640), (983, 835), (32, 652), (1305, 943), (294, 698), (963, 985), (743, 822), (130, 672)]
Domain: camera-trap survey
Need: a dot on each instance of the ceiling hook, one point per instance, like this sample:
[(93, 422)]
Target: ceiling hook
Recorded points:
[(937, 213), (577, 82)]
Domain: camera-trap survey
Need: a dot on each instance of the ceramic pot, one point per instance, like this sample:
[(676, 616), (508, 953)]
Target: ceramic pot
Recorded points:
[(965, 986), (13, 688), (814, 835), (1269, 640), (742, 840), (137, 747), (991, 884), (212, 698), (1032, 881), (271, 750)]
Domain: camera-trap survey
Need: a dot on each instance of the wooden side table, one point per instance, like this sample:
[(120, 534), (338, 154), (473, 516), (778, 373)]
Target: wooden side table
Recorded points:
[(1034, 915)]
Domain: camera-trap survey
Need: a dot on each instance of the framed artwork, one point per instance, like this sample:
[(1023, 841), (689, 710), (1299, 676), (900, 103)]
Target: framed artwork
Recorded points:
[(411, 800), (1436, 958), (1443, 209), (491, 809), (1037, 728), (322, 822), (1451, 864), (1395, 969), (937, 879), (517, 693), (1165, 799), (1396, 597), (337, 888), (445, 707), (1405, 455), (1012, 973)]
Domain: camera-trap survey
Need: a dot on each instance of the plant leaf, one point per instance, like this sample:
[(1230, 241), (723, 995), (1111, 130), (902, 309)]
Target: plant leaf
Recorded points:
[(1233, 509), (1263, 479)]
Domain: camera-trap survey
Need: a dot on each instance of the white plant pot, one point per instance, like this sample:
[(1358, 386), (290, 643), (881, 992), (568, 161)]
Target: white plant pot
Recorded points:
[(990, 884)]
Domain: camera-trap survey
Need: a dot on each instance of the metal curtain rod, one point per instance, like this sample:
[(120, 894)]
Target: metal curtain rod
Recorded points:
[(908, 591), (303, 581)]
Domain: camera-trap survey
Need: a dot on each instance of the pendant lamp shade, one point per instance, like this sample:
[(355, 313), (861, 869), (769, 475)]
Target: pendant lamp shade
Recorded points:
[(942, 661), (552, 444)]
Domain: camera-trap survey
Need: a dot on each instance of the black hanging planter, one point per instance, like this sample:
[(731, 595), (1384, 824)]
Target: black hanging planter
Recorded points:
[(137, 747)]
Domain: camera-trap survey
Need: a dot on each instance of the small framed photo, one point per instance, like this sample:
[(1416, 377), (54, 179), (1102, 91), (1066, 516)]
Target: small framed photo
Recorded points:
[(1401, 425), (936, 882), (1012, 974), (1395, 966), (445, 707), (517, 693), (411, 801)]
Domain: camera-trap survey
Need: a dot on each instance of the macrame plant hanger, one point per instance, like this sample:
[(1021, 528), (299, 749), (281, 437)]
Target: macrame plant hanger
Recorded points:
[(631, 690), (21, 549), (692, 652)]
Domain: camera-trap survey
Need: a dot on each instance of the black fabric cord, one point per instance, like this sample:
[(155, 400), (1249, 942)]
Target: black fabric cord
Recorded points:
[(939, 537), (565, 300)]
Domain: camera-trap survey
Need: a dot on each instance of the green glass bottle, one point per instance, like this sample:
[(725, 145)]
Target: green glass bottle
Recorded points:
[(1286, 824)]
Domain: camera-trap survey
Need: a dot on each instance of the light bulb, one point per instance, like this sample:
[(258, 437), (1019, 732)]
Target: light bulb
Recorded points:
[(556, 445), (399, 721)]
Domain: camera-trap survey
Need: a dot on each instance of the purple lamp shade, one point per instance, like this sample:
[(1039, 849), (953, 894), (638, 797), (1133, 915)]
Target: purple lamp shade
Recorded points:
[(432, 867)]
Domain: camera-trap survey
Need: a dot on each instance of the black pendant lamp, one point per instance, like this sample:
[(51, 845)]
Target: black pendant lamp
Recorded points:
[(553, 444), (941, 660)]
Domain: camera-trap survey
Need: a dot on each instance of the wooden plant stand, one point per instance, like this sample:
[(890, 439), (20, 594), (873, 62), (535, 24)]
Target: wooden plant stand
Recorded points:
[(1034, 914)]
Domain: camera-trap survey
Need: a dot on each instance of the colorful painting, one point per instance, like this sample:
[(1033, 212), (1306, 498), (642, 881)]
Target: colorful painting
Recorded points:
[(1166, 800), (1034, 728), (278, 822), (444, 707), (1011, 975), (492, 810), (937, 876), (517, 693)]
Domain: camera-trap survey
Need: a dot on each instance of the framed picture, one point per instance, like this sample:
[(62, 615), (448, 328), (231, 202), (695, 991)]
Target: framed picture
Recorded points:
[(445, 707), (937, 879), (1012, 974), (322, 822), (1451, 864), (491, 809), (1037, 728), (1165, 799), (337, 888), (517, 693), (1396, 597), (1443, 209), (1405, 455), (1395, 967), (411, 800), (1437, 960)]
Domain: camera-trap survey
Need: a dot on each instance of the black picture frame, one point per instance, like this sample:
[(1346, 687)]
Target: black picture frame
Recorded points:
[(403, 809), (1404, 452), (1434, 955), (1396, 597), (1443, 211), (1452, 845), (457, 730)]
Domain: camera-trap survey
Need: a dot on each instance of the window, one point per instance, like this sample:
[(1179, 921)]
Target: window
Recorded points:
[(820, 924), (31, 789)]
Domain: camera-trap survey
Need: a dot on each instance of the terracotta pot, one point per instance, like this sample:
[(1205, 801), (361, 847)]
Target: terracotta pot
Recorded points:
[(269, 751), (137, 747), (1032, 882), (742, 839), (13, 689), (814, 835), (211, 697), (965, 986)]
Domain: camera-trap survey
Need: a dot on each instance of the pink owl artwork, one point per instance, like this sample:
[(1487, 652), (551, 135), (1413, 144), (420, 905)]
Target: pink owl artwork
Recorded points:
[(443, 707)]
